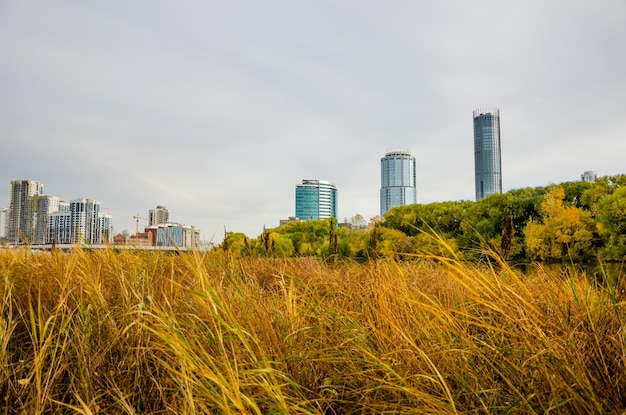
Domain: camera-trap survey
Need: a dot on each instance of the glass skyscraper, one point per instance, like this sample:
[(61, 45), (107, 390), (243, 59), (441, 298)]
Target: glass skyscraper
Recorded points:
[(316, 199), (397, 177), (487, 164)]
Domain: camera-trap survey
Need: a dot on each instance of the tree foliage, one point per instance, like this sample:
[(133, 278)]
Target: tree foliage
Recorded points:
[(612, 224), (563, 231), (576, 221)]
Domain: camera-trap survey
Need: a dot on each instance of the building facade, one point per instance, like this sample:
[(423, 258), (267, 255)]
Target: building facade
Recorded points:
[(316, 199), (79, 221), (487, 157), (84, 213), (158, 216), (174, 235), (41, 206), (105, 228), (60, 228), (20, 213), (397, 180), (589, 176)]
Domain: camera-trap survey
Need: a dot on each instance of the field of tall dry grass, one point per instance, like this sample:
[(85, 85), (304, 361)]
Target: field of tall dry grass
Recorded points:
[(145, 332)]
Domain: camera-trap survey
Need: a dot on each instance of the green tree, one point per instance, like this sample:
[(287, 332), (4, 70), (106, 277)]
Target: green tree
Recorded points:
[(237, 243), (393, 243), (280, 245), (611, 216)]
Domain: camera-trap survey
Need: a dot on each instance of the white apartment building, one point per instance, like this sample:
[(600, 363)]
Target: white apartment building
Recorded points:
[(4, 223), (105, 228), (60, 228), (40, 209), (84, 219), (158, 216)]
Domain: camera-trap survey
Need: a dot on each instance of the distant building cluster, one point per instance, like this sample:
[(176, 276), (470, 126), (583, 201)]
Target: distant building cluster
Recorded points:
[(34, 218), (37, 219), (160, 232)]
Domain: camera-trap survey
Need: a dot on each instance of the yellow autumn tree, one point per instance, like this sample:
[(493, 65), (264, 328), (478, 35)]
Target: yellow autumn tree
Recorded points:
[(562, 232)]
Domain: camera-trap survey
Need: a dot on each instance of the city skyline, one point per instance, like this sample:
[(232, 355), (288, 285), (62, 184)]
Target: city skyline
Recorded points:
[(34, 218), (39, 219), (216, 109)]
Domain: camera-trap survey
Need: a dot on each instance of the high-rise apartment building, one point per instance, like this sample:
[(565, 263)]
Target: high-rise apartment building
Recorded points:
[(158, 216), (316, 199), (84, 220), (397, 180), (20, 213), (60, 228), (487, 162), (41, 206), (105, 229)]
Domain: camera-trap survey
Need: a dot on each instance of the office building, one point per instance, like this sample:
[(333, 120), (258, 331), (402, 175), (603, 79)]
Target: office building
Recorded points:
[(158, 216), (487, 163), (589, 176), (397, 180), (20, 219), (316, 199)]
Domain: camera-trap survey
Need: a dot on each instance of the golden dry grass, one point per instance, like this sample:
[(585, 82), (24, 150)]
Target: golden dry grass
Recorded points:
[(143, 332)]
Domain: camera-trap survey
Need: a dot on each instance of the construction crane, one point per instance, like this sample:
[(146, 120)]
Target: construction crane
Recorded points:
[(137, 218)]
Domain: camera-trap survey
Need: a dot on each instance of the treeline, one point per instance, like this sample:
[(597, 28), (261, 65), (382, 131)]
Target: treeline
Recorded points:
[(571, 221)]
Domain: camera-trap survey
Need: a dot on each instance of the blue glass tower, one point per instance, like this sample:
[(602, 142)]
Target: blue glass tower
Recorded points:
[(487, 163), (316, 199), (397, 177)]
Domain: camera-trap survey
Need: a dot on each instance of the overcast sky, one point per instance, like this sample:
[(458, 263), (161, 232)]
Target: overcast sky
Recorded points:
[(217, 109)]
